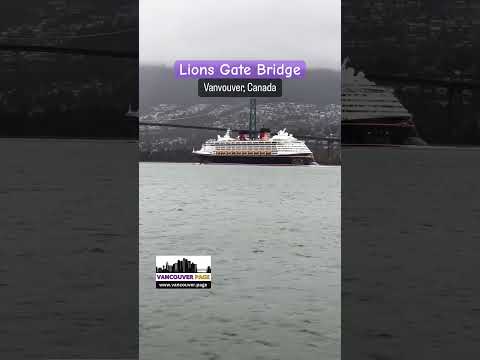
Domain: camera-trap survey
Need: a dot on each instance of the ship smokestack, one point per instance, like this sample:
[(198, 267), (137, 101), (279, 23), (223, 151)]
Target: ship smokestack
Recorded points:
[(264, 134), (243, 135)]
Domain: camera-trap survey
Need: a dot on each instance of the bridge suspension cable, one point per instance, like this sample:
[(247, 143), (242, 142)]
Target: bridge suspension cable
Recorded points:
[(69, 50), (416, 80), (56, 36)]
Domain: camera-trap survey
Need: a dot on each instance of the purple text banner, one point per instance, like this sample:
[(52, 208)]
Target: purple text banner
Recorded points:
[(238, 69)]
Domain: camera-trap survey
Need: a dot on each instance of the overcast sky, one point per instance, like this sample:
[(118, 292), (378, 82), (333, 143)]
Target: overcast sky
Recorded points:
[(241, 29)]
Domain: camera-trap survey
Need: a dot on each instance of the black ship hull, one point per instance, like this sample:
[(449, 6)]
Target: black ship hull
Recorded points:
[(259, 160)]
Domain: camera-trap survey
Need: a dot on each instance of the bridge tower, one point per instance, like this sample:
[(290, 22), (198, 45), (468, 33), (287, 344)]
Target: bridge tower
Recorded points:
[(252, 124)]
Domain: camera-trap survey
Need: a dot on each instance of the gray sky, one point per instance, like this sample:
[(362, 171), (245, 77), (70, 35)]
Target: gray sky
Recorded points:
[(241, 29)]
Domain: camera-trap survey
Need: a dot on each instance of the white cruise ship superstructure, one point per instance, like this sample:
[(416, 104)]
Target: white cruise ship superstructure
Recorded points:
[(372, 113), (282, 148)]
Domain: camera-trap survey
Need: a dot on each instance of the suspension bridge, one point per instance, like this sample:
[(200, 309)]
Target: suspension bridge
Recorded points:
[(252, 127), (223, 129)]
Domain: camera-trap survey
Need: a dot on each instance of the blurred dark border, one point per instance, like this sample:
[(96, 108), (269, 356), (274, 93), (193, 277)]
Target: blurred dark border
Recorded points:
[(409, 213), (69, 188), (69, 69)]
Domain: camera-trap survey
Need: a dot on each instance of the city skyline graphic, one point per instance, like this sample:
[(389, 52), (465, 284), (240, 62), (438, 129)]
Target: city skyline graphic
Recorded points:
[(182, 265)]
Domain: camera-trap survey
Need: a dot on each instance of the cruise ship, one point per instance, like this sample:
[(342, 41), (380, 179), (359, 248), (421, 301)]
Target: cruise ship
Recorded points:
[(281, 148), (371, 114)]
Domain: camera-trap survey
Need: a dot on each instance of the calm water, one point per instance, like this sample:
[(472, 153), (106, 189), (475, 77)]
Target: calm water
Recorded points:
[(79, 195), (274, 237), (68, 209), (410, 246)]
